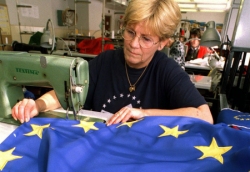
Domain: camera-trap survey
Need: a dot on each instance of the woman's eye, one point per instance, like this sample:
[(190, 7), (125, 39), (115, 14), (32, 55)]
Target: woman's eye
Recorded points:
[(146, 39), (130, 32)]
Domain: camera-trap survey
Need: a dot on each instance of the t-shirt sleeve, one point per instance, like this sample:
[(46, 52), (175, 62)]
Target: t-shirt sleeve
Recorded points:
[(182, 92)]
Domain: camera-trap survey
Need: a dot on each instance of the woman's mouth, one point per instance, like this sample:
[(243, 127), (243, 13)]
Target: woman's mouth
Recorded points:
[(132, 53)]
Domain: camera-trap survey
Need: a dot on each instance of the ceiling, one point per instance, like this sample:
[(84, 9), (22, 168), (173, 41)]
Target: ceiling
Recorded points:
[(204, 5), (185, 5), (117, 4)]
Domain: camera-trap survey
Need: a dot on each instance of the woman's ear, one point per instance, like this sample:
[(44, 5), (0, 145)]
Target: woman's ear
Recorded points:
[(163, 43)]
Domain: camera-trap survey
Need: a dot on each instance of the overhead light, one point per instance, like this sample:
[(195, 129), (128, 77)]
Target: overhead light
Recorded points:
[(83, 1), (211, 1), (118, 2), (208, 6), (182, 1), (204, 5), (205, 1), (211, 36), (186, 5), (188, 10), (210, 10), (124, 2)]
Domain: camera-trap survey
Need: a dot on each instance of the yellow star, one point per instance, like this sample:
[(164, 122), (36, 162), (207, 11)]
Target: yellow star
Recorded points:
[(213, 151), (129, 124), (171, 131), (37, 130), (86, 126), (7, 156)]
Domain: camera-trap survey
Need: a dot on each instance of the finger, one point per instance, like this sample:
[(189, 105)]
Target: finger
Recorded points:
[(21, 108), (28, 109), (14, 111), (113, 118), (121, 116), (127, 116), (116, 118)]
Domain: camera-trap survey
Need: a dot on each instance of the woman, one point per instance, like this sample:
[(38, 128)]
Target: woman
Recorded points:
[(177, 51), (138, 80), (195, 50)]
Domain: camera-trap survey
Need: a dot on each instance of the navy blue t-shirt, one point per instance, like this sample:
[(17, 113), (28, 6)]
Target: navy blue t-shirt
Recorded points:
[(164, 85)]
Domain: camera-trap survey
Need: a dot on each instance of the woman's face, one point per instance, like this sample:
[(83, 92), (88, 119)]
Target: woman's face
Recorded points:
[(135, 55), (195, 41)]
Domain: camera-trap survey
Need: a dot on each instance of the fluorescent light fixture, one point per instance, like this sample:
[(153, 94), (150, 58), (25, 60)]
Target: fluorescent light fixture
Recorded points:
[(208, 6), (82, 1), (182, 1), (211, 1), (186, 5), (188, 10), (204, 5), (207, 10), (124, 2)]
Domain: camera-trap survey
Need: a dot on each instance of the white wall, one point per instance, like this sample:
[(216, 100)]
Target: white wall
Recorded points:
[(218, 17), (95, 16), (47, 9), (82, 11), (89, 16), (44, 9)]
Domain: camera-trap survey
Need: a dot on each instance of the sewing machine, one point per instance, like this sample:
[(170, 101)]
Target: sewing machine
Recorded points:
[(68, 76)]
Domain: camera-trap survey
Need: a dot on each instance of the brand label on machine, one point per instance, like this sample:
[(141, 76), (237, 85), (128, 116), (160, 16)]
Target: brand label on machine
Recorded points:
[(28, 71)]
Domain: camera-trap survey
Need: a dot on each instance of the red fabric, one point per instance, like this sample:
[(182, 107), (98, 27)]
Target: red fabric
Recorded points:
[(202, 51), (198, 78), (94, 46)]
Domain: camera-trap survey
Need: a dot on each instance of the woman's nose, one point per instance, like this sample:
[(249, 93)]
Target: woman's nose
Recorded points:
[(135, 42)]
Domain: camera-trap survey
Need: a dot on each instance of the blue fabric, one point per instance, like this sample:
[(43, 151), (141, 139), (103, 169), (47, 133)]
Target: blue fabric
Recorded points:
[(66, 147), (29, 95), (235, 118)]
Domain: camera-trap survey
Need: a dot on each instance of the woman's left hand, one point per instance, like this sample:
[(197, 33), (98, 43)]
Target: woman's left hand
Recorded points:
[(125, 114)]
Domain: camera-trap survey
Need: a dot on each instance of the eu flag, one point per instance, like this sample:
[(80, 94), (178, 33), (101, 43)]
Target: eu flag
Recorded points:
[(235, 118), (173, 144)]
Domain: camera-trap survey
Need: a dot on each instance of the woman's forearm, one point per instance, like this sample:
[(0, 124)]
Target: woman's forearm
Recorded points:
[(48, 101), (202, 112)]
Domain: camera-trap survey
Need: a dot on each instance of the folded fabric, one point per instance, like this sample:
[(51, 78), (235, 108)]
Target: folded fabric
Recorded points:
[(94, 46), (235, 118), (200, 61)]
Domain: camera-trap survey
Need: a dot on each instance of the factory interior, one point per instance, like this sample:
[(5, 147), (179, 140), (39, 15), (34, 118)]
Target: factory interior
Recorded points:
[(47, 45)]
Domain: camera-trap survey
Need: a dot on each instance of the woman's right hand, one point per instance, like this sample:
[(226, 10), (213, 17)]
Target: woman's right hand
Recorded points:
[(24, 110)]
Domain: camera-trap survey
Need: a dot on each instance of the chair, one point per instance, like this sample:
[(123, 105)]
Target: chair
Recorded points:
[(186, 50), (235, 81)]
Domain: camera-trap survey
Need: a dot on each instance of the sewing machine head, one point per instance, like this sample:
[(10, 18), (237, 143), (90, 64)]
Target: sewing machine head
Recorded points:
[(68, 76)]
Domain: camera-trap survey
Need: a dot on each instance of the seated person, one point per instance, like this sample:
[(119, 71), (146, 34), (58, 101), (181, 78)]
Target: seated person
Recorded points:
[(138, 80), (194, 49), (177, 51)]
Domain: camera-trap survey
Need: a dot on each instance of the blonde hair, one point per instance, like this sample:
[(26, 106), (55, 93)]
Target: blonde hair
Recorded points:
[(160, 16)]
